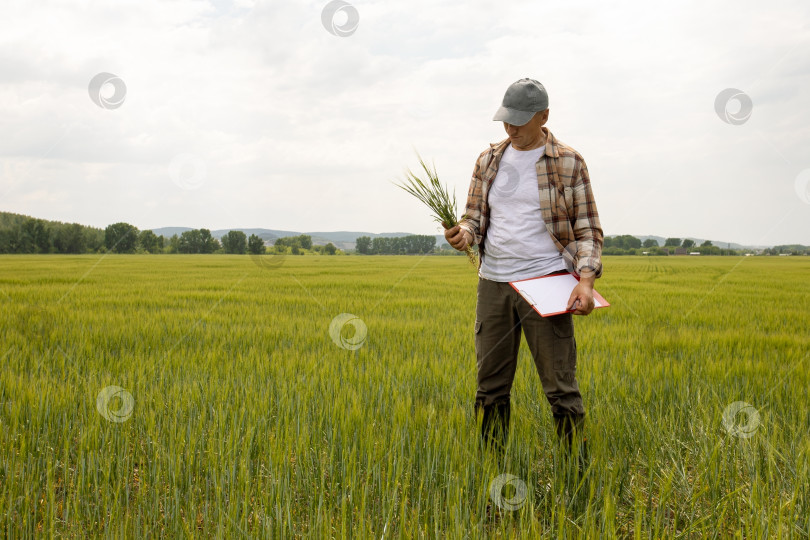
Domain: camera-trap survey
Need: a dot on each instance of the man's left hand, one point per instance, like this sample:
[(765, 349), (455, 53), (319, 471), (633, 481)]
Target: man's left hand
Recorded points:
[(581, 299)]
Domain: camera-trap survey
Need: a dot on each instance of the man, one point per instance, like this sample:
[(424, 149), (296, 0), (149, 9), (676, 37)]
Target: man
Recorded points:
[(531, 212)]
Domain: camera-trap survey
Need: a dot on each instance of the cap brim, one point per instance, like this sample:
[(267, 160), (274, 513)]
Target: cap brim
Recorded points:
[(513, 116)]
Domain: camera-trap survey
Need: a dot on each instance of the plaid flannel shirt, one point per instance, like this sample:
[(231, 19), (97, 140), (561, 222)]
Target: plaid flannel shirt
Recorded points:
[(566, 202)]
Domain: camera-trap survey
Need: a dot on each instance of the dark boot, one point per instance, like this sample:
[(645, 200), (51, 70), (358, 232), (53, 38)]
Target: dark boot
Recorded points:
[(495, 425), (570, 430)]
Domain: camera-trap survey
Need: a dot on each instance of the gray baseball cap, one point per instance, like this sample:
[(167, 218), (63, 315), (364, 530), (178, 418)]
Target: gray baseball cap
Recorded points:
[(523, 98)]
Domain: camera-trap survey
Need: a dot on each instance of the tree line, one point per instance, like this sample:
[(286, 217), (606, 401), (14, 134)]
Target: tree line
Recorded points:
[(413, 244), (627, 244), (23, 234)]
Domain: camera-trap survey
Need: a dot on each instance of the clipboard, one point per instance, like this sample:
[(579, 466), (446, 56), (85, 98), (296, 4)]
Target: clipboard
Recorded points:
[(548, 295)]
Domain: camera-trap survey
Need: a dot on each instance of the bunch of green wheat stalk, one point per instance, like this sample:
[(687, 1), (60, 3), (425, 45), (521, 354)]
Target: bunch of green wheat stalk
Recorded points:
[(436, 197)]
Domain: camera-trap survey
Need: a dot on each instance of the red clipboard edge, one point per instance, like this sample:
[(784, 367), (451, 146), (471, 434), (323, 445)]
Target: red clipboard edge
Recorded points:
[(596, 295)]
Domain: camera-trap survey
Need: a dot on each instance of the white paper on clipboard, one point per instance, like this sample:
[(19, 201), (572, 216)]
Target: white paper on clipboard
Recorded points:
[(549, 295)]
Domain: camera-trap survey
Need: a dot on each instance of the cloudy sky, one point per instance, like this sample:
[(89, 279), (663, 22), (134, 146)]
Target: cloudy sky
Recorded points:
[(262, 114)]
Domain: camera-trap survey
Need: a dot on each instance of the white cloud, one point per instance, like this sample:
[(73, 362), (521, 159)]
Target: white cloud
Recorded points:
[(303, 130)]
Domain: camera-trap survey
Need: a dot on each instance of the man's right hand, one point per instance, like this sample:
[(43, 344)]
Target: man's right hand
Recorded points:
[(457, 237)]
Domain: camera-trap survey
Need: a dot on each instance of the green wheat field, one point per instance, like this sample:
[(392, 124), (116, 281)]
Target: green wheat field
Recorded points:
[(205, 396)]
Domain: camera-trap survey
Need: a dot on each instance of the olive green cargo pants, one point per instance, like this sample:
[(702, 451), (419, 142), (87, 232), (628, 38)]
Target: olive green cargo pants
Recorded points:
[(501, 313)]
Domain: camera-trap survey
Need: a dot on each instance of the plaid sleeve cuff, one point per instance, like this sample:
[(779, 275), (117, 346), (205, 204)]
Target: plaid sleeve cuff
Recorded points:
[(589, 264), (467, 227)]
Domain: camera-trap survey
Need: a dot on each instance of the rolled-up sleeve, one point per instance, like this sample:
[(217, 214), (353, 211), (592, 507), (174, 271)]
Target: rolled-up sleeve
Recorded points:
[(585, 223)]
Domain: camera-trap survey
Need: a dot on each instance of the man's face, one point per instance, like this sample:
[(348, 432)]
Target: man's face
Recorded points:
[(528, 133)]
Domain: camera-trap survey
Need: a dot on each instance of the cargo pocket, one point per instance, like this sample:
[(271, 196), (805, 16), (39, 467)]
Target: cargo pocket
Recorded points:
[(563, 325), (565, 351)]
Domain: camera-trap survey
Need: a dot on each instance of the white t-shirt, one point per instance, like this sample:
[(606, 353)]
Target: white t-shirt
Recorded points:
[(517, 245)]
